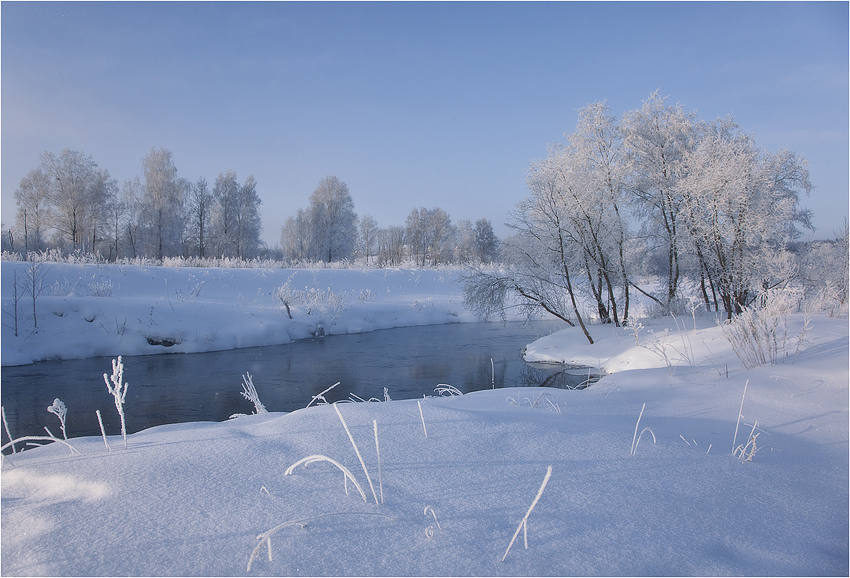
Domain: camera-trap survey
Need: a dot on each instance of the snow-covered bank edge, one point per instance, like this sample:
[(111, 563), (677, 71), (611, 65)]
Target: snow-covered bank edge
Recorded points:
[(109, 310)]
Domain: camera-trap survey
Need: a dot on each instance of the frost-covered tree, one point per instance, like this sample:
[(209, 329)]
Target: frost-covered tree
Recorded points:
[(741, 206), (391, 246), (34, 209), (102, 227), (657, 136), (162, 218), (541, 262), (368, 236), (465, 251), (199, 216), (333, 222), (295, 237), (248, 222), (441, 234), (416, 234), (225, 194), (72, 176), (486, 242), (131, 200)]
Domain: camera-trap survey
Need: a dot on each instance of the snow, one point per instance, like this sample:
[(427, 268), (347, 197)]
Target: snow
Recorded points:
[(192, 499), (101, 310)]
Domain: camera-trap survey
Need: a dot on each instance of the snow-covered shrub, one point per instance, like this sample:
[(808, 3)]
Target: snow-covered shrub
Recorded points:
[(102, 288), (759, 334), (320, 302), (118, 389)]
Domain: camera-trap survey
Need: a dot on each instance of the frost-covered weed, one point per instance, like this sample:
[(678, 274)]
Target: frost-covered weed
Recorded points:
[(6, 427), (102, 431), (357, 451), (422, 416), (347, 475), (101, 288), (59, 410), (118, 389), (444, 389), (378, 452), (321, 396), (636, 437), (429, 531), (523, 524), (249, 392), (266, 537)]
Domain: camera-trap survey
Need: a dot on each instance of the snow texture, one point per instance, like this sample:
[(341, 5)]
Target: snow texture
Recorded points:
[(192, 499)]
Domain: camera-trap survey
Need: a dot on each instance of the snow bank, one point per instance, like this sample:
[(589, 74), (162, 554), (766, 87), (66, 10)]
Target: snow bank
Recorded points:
[(109, 310), (191, 499)]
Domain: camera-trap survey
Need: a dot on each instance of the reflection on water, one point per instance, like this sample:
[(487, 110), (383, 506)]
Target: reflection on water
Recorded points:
[(409, 362)]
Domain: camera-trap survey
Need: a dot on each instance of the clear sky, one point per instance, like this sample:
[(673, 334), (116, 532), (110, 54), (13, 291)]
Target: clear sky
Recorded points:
[(411, 104)]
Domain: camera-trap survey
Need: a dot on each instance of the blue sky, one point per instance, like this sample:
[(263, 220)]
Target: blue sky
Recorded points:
[(411, 104)]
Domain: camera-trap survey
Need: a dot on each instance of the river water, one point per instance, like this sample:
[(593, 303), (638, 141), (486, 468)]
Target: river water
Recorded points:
[(174, 388)]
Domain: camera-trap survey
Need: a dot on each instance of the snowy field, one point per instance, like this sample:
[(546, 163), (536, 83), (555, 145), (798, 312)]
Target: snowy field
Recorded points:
[(97, 310), (643, 477)]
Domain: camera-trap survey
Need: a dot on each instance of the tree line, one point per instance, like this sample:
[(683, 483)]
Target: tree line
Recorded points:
[(329, 230), (658, 194), (70, 203)]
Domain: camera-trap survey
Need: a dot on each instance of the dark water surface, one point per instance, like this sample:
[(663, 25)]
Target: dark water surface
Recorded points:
[(173, 388)]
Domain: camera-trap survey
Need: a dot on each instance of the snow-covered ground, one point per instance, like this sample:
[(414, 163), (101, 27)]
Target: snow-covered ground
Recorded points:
[(453, 477), (98, 310)]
